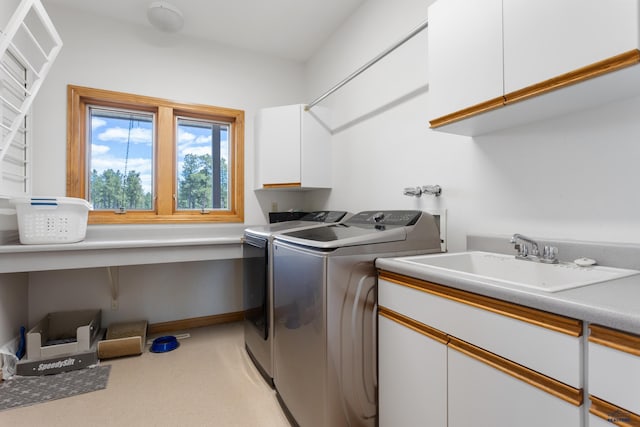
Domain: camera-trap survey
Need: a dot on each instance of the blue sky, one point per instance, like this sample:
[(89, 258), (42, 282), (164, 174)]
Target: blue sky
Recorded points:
[(109, 138)]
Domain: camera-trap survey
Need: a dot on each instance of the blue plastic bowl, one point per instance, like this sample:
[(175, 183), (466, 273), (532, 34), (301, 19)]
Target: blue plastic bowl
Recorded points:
[(164, 344)]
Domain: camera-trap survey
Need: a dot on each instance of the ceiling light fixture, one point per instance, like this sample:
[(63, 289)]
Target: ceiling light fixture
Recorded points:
[(165, 16)]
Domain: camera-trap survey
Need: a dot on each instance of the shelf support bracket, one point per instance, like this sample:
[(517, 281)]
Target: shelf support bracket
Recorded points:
[(114, 284)]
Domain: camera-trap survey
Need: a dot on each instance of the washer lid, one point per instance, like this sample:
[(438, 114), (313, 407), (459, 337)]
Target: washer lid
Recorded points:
[(337, 235), (364, 228), (312, 219)]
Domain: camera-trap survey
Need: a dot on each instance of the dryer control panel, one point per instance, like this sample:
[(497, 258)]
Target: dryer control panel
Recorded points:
[(388, 218)]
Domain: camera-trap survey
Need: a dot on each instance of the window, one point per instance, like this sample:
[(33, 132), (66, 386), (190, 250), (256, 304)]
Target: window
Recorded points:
[(140, 159)]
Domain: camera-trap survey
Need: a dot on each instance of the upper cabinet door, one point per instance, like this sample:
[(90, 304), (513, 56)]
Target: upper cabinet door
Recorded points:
[(465, 54), (278, 133), (547, 38), (293, 147)]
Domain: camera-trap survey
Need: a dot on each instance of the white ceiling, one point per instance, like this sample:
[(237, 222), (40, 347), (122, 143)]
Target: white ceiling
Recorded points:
[(291, 29)]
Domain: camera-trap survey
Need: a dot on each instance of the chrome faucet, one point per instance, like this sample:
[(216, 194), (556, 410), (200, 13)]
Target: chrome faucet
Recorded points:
[(522, 243)]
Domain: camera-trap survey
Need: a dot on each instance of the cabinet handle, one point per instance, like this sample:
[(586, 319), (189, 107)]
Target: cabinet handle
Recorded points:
[(542, 382), (596, 69), (421, 328), (613, 413), (283, 185), (474, 110), (536, 317), (617, 340)]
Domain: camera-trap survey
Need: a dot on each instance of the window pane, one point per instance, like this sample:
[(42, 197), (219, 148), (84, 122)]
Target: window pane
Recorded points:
[(120, 159), (203, 158)]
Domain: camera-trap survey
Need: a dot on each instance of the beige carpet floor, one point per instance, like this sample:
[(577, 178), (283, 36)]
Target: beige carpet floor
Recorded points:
[(208, 381)]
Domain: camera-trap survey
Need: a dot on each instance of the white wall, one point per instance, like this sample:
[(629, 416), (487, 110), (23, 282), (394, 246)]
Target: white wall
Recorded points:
[(13, 301), (102, 53), (106, 54), (7, 8), (156, 293), (572, 177)]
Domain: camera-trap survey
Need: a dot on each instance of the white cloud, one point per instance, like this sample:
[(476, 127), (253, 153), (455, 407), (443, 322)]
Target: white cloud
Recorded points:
[(198, 151), (138, 164), (185, 137), (137, 135), (97, 150), (97, 123), (203, 139)]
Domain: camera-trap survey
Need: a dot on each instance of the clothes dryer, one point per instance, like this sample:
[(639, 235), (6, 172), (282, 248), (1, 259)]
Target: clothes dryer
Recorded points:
[(258, 284)]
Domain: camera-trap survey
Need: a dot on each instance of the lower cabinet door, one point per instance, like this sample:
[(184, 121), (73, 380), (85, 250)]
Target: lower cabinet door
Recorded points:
[(598, 422), (480, 395), (412, 377)]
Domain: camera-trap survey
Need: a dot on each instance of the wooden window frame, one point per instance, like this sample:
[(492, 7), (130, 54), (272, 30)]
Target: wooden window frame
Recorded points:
[(79, 98)]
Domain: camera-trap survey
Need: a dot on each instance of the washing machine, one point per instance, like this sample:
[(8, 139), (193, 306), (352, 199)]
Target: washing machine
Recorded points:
[(258, 284), (325, 312)]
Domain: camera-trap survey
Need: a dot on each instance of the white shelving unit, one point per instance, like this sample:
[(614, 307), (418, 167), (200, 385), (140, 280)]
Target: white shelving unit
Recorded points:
[(28, 47)]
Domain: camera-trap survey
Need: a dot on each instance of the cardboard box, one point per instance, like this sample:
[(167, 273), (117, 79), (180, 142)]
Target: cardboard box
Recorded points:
[(62, 363), (62, 341), (123, 339), (64, 332)]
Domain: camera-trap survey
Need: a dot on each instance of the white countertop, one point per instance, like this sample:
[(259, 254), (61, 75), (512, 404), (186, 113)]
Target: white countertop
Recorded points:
[(615, 303), (115, 245)]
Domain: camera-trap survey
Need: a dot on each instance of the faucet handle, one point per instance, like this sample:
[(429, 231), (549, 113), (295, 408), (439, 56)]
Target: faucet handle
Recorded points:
[(550, 254), (522, 248)]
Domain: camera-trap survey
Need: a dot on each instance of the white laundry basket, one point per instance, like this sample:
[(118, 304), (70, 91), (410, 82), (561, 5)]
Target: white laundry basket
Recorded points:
[(43, 220)]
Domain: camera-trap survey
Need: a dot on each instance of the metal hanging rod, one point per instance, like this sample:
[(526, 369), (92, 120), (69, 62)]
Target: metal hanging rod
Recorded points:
[(366, 66)]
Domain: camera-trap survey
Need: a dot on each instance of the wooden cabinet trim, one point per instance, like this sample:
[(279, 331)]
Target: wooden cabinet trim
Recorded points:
[(542, 382), (474, 110), (579, 75), (419, 327), (617, 340), (596, 69), (613, 413), (283, 185), (555, 322)]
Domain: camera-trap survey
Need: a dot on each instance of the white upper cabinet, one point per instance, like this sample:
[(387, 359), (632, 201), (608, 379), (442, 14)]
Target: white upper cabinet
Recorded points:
[(544, 58), (546, 38), (465, 54), (293, 147)]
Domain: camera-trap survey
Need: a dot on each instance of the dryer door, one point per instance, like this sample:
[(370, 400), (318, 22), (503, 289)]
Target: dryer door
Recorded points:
[(255, 284)]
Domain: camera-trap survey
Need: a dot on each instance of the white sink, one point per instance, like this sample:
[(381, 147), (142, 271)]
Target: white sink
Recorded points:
[(507, 269)]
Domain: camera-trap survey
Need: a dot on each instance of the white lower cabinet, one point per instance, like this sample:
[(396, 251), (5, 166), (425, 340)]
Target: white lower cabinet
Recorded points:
[(598, 422), (481, 382), (413, 369), (614, 377), (480, 395)]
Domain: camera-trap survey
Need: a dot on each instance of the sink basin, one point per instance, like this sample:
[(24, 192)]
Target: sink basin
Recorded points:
[(507, 269)]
